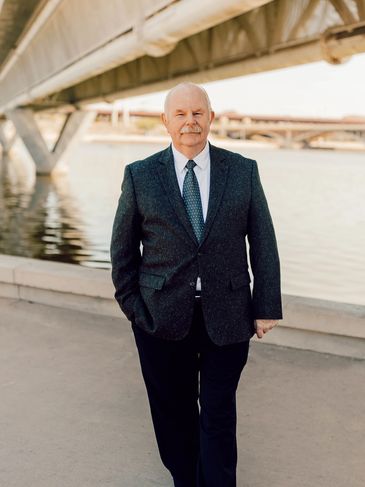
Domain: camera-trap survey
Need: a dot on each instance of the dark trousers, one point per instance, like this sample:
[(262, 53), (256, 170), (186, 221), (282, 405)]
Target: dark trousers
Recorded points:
[(198, 448)]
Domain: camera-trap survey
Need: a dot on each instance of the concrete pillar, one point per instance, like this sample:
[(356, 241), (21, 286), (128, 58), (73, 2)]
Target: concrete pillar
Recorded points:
[(73, 129), (6, 141), (223, 125), (27, 129), (288, 139), (115, 116), (126, 117)]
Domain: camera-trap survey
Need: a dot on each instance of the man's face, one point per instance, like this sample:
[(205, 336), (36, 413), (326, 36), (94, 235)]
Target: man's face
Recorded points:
[(187, 120)]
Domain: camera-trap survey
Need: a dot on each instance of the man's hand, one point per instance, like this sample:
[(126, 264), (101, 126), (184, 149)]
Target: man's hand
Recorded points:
[(263, 326)]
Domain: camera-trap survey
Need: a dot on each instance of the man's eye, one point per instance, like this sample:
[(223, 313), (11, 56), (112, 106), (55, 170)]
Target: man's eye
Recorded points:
[(197, 113)]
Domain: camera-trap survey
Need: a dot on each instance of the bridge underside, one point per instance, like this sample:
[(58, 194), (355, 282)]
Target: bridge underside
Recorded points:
[(83, 68), (277, 35)]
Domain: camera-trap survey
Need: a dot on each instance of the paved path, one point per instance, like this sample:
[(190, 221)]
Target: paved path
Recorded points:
[(73, 409)]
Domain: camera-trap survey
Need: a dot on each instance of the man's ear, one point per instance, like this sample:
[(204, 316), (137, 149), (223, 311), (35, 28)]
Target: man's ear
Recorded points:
[(163, 119), (212, 116)]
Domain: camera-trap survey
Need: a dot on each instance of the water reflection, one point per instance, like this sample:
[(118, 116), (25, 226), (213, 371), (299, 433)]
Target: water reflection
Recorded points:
[(38, 216)]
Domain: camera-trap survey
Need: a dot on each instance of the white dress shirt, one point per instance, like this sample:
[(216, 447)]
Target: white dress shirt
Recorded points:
[(202, 173)]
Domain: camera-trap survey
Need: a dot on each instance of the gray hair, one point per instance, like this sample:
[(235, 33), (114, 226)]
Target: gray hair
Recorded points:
[(186, 84)]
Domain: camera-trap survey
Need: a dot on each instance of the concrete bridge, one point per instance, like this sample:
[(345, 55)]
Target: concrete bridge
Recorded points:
[(62, 54), (284, 131)]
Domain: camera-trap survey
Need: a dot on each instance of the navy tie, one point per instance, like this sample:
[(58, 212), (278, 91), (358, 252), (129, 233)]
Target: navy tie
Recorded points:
[(192, 200)]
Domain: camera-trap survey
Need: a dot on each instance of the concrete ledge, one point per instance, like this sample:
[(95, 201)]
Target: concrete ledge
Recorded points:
[(322, 326), (311, 324), (57, 284), (8, 290), (324, 316), (80, 302), (315, 341)]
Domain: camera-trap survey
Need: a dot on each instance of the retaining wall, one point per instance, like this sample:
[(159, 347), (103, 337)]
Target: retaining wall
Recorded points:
[(313, 324)]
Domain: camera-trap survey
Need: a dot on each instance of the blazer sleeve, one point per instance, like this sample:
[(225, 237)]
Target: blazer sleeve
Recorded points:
[(125, 251), (264, 256)]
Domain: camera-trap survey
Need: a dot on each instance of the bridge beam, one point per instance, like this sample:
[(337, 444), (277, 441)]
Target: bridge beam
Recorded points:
[(343, 11), (73, 129), (6, 142), (28, 131), (360, 4), (45, 160)]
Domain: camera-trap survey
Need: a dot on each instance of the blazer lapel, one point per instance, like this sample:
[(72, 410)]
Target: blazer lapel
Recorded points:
[(218, 178), (167, 175)]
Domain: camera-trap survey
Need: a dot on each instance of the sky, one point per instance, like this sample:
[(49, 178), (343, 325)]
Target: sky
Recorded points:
[(315, 90)]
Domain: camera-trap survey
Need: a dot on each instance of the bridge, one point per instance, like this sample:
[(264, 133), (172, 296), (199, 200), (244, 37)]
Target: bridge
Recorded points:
[(63, 55), (282, 131)]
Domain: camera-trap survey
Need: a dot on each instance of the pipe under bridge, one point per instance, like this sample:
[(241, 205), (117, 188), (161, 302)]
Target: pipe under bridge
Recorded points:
[(63, 54)]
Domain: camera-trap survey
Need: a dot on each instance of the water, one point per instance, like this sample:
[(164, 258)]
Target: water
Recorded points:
[(316, 200)]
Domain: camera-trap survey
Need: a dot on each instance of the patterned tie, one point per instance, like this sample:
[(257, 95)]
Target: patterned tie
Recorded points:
[(192, 200)]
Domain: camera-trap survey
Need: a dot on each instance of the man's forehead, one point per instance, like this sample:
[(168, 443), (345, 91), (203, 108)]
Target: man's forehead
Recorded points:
[(183, 98), (182, 106)]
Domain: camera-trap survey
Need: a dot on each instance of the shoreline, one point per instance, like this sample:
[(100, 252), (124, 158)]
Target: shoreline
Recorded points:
[(165, 139), (232, 143)]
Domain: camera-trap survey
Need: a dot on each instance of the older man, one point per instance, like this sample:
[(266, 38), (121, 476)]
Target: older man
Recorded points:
[(187, 292)]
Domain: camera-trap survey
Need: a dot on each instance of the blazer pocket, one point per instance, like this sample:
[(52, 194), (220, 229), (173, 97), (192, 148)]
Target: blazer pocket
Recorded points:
[(240, 280), (151, 280)]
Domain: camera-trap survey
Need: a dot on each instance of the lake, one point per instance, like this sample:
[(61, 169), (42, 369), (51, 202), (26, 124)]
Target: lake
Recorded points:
[(316, 199)]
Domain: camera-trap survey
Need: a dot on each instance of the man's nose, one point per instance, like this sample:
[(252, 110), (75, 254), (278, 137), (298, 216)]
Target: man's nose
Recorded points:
[(190, 118)]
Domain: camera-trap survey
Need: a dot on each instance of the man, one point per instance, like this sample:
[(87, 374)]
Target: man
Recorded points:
[(187, 292)]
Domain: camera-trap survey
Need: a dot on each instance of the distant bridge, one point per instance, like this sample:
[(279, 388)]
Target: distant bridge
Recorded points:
[(292, 132), (284, 131)]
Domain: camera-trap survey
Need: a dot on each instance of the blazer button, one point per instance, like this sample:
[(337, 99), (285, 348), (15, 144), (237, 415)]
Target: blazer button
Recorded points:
[(192, 284)]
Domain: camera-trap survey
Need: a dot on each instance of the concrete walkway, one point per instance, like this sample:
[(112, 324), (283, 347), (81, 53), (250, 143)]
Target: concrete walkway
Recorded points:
[(74, 413)]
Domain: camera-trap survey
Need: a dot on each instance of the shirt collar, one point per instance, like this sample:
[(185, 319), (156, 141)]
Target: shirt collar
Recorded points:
[(201, 159)]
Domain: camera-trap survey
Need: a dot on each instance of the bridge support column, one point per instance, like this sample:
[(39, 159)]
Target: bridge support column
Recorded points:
[(28, 131), (126, 117), (6, 142), (223, 126), (45, 160), (288, 139), (74, 127)]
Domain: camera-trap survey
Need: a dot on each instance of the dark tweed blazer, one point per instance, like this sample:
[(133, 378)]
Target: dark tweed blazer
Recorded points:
[(156, 258)]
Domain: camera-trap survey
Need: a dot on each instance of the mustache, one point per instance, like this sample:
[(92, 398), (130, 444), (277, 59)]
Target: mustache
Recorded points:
[(191, 130)]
